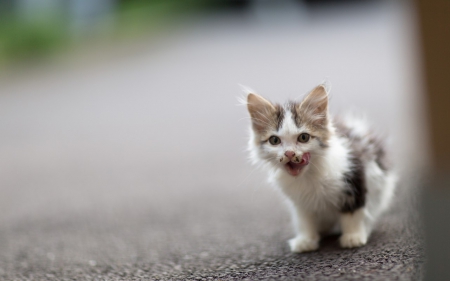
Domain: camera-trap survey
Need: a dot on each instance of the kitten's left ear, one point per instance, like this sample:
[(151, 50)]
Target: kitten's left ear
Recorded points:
[(315, 105)]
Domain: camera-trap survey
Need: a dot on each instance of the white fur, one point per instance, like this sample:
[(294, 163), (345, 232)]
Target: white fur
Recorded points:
[(315, 196)]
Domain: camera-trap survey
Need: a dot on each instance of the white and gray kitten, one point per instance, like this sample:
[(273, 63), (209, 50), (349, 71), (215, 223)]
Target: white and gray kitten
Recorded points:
[(334, 174)]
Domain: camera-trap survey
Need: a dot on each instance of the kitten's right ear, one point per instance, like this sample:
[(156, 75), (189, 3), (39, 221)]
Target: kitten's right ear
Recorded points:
[(315, 105), (261, 111)]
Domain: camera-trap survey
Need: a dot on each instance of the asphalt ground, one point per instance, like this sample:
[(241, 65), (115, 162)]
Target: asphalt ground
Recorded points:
[(129, 163)]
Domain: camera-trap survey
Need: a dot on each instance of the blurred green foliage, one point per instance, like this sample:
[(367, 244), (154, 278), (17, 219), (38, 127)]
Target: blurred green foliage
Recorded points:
[(20, 40), (25, 40), (137, 16)]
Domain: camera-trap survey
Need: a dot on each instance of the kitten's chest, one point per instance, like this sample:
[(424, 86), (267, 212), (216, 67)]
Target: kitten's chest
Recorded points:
[(323, 194)]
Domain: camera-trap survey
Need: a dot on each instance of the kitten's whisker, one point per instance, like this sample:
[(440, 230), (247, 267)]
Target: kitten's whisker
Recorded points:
[(247, 177), (246, 117), (315, 166)]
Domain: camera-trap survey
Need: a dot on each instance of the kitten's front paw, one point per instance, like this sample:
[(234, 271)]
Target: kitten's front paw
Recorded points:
[(301, 244), (352, 240)]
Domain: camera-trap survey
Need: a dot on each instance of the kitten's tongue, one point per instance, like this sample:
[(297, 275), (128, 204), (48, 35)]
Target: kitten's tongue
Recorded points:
[(294, 169)]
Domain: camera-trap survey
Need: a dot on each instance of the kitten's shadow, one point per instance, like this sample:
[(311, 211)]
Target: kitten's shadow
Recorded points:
[(330, 242)]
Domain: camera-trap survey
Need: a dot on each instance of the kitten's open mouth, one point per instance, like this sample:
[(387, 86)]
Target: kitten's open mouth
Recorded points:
[(294, 169)]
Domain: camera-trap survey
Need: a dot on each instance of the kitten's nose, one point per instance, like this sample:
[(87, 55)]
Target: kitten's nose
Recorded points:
[(289, 154)]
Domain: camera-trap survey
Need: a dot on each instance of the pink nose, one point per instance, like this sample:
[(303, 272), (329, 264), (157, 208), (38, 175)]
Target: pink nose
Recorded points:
[(289, 154)]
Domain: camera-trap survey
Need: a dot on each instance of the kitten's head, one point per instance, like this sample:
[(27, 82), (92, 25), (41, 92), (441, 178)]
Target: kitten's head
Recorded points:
[(289, 137)]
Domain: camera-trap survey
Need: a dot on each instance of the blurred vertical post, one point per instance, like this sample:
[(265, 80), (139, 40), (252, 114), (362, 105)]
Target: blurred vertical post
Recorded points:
[(434, 24)]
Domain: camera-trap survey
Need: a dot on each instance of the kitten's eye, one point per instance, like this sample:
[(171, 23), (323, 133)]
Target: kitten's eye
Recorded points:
[(274, 140), (304, 137)]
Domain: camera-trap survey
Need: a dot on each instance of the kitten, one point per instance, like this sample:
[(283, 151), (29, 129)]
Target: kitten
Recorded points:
[(335, 175)]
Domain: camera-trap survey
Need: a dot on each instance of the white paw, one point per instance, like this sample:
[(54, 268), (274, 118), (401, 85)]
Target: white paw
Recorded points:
[(303, 244), (352, 240)]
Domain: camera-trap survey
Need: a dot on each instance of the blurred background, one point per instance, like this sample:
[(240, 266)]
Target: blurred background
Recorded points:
[(122, 144)]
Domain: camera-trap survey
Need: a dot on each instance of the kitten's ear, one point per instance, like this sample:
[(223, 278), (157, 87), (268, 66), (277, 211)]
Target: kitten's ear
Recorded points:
[(315, 105), (261, 111)]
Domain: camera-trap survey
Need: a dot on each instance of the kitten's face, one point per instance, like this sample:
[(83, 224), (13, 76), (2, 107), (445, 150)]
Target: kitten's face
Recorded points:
[(290, 136)]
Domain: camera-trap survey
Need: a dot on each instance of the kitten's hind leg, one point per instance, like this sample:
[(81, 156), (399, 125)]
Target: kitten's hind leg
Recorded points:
[(354, 230)]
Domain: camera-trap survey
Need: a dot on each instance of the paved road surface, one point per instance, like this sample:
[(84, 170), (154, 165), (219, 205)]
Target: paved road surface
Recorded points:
[(134, 167)]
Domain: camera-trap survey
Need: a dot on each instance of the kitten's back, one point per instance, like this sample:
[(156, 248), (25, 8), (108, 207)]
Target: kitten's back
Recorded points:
[(364, 143)]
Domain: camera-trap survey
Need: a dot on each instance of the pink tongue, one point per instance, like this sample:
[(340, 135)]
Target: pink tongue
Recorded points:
[(295, 168), (305, 158)]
